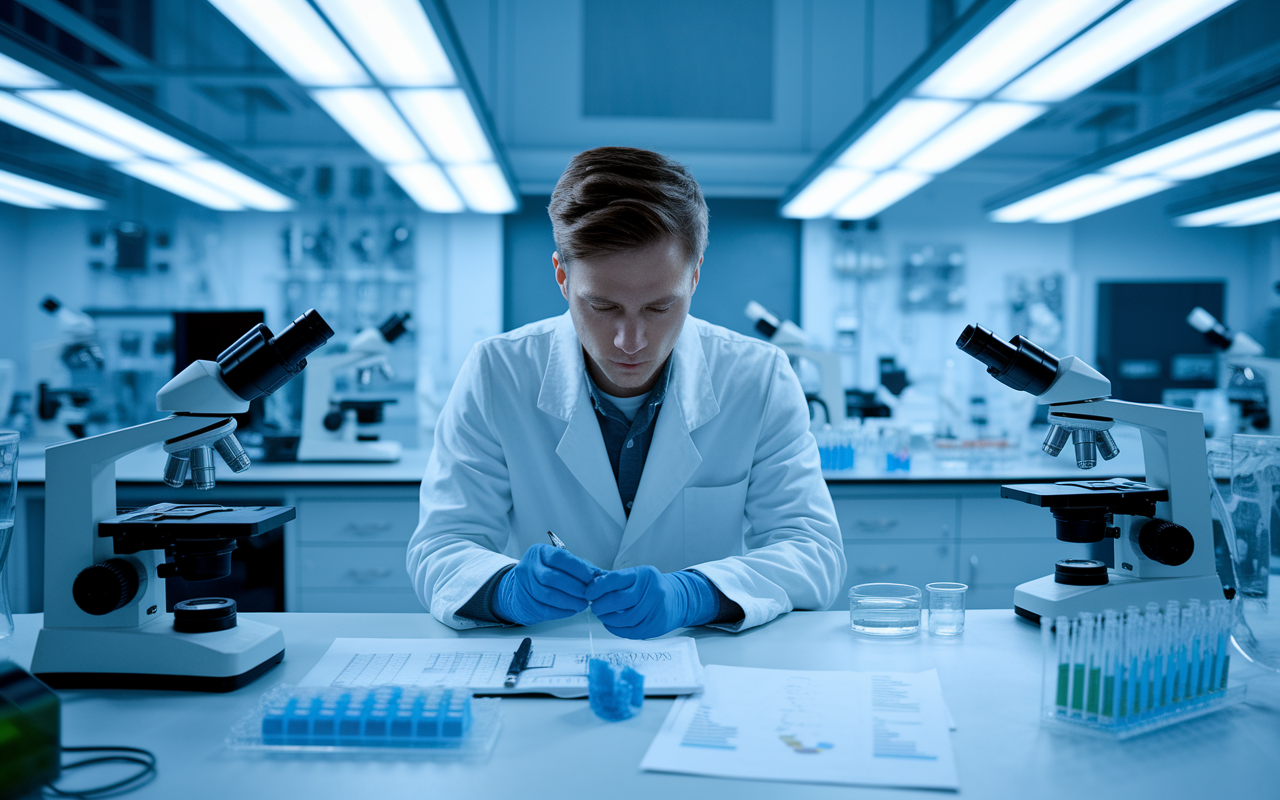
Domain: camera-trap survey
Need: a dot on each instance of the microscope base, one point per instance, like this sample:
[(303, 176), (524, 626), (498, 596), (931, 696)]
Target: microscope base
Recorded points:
[(310, 450), (1044, 597), (155, 656)]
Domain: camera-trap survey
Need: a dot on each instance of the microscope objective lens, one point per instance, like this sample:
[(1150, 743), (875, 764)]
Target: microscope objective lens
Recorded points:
[(1086, 449), (232, 452), (202, 474), (176, 467), (1056, 440)]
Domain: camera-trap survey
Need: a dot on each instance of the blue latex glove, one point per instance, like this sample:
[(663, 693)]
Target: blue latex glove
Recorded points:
[(548, 583), (641, 602)]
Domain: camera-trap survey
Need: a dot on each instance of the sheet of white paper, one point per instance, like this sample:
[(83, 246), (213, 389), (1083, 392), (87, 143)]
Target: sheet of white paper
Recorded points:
[(861, 728), (556, 666)]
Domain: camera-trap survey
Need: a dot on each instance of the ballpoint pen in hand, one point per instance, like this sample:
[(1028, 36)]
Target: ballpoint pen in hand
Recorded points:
[(591, 639)]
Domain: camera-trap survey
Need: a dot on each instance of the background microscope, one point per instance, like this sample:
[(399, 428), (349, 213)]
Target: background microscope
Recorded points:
[(66, 373), (1243, 366), (1162, 530), (342, 426), (818, 371), (105, 624)]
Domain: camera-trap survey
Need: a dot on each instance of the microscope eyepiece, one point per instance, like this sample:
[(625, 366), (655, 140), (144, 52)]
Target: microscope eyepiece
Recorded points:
[(259, 363), (1018, 363), (394, 327)]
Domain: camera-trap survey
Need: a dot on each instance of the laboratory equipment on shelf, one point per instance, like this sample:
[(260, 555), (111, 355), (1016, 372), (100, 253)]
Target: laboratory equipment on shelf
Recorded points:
[(827, 391), (66, 372), (105, 623), (1240, 351), (1165, 549), (343, 427)]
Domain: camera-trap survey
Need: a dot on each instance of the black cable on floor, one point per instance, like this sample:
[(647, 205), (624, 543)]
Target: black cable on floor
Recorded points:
[(123, 755)]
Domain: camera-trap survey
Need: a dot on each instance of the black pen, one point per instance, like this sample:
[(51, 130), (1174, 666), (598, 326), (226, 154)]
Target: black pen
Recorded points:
[(518, 662)]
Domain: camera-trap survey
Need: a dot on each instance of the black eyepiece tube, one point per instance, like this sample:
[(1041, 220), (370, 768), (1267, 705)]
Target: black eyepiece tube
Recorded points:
[(394, 327), (1019, 363), (259, 363)]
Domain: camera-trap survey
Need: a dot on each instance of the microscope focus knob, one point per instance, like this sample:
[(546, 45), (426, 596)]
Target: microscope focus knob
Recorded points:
[(1166, 542), (105, 587), (333, 421)]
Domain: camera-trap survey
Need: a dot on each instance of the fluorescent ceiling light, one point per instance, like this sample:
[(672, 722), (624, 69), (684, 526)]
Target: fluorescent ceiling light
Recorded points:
[(1268, 215), (446, 122), (1230, 212), (1124, 192), (293, 35), (16, 75), (898, 132), (1060, 195), (1128, 34), (372, 121), (426, 184), (23, 199), (238, 185), (394, 39), (172, 180), (977, 130), (22, 114), (1023, 34), (483, 186), (1157, 160), (887, 189), (48, 193), (102, 118), (825, 192), (1228, 157)]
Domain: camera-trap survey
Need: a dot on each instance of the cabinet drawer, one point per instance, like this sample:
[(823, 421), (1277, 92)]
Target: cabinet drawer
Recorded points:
[(352, 521), (359, 602), (999, 518), (1011, 563), (353, 568), (913, 563), (905, 518)]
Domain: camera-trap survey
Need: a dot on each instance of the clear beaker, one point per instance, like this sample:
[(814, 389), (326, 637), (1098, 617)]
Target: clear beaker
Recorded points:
[(8, 504), (1255, 478), (884, 609), (946, 608)]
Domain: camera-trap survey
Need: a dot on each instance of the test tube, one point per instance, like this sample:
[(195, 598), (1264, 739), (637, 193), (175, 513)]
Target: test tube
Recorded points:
[(1062, 625)]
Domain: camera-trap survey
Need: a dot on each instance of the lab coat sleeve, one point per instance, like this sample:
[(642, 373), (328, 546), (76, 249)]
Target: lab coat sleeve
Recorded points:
[(463, 522), (794, 555)]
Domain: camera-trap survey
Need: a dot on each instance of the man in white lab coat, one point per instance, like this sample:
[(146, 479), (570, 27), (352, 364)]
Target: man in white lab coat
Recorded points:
[(672, 457)]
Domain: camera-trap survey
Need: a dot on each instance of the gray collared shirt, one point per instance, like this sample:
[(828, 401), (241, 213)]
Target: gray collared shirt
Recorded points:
[(627, 441)]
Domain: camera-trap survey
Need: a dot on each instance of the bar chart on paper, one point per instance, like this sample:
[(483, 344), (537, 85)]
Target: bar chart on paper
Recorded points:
[(882, 729)]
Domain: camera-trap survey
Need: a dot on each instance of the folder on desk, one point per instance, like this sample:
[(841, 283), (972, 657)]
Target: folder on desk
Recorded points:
[(556, 667)]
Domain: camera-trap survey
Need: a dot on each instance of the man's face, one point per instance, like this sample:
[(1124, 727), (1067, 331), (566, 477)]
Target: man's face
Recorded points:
[(628, 309)]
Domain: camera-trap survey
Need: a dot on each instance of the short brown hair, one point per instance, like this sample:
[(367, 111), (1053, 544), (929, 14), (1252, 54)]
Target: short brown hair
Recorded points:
[(612, 199)]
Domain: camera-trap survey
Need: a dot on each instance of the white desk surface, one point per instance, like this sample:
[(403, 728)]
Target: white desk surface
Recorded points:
[(552, 748)]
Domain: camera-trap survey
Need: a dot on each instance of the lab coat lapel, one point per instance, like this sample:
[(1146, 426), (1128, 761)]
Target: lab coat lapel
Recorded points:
[(673, 457), (564, 395)]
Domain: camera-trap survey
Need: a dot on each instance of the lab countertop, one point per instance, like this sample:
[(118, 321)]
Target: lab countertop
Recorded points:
[(550, 748), (147, 466)]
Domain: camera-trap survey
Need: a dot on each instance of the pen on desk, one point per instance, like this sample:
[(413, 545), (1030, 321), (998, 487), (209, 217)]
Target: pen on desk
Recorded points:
[(518, 662)]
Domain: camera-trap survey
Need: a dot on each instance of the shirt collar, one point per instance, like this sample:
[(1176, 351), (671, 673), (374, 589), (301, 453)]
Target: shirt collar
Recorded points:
[(656, 394)]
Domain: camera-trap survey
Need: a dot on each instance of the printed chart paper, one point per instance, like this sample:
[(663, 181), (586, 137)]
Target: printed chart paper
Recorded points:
[(556, 666), (861, 728)]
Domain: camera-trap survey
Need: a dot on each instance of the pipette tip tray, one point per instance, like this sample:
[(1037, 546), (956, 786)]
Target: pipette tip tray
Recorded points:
[(1123, 675), (380, 723)]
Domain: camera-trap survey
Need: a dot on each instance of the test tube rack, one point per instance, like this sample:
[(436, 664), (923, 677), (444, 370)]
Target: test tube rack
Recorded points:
[(1127, 674)]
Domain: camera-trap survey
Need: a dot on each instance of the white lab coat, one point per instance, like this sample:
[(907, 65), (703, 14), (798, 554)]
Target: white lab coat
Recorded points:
[(731, 486)]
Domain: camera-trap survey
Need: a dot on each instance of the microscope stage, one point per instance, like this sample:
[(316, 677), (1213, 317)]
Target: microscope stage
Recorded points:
[(195, 521), (1084, 494)]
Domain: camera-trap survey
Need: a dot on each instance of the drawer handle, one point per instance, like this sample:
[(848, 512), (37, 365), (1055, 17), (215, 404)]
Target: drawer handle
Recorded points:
[(367, 528), (877, 525), (882, 571), (973, 570), (368, 575)]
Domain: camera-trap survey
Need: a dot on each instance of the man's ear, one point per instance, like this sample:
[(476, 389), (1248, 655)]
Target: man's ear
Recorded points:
[(562, 277), (697, 273)]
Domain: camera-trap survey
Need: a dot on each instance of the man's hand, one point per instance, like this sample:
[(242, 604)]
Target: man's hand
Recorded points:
[(548, 583), (641, 602)]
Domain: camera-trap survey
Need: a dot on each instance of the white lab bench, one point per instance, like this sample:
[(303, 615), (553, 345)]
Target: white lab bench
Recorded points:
[(552, 748), (346, 551)]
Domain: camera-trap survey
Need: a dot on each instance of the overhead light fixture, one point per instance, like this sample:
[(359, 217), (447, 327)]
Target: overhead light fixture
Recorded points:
[(293, 35), (1234, 131), (826, 192), (394, 39), (1112, 44), (1002, 63), (50, 97), (886, 189), (1251, 204), (446, 122), (46, 194), (16, 198), (427, 185), (410, 50)]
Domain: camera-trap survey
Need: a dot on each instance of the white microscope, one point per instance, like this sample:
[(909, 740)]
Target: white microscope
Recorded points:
[(795, 343), (1165, 549), (105, 624), (66, 373), (1241, 351), (339, 427)]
